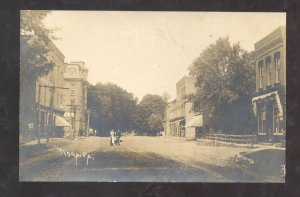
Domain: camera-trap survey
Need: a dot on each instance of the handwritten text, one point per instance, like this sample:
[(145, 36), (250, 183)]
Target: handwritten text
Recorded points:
[(76, 155)]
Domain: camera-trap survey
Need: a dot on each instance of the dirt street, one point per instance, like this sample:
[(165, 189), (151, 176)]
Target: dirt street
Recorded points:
[(138, 158)]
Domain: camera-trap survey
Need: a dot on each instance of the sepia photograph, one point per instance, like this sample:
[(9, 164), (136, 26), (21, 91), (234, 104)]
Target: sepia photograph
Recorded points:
[(152, 96)]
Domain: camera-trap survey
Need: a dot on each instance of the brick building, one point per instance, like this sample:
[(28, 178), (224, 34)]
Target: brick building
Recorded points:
[(269, 100), (41, 102), (49, 94)]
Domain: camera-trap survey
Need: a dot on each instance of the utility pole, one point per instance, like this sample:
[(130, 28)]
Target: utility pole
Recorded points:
[(73, 109), (88, 123), (39, 114), (71, 116), (52, 90), (74, 120)]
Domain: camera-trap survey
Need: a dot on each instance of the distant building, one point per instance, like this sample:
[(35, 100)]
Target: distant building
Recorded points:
[(75, 99), (269, 100), (179, 119)]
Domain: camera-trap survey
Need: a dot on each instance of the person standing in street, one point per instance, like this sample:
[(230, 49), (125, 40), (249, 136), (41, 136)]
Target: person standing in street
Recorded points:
[(112, 137), (119, 134)]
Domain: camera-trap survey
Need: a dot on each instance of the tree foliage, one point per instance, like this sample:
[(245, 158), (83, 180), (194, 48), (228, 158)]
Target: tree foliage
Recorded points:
[(34, 62), (112, 107), (225, 79), (115, 108), (148, 115), (34, 45)]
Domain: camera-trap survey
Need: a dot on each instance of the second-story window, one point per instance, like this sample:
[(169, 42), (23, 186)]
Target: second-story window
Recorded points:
[(72, 71), (277, 66), (269, 70), (260, 73)]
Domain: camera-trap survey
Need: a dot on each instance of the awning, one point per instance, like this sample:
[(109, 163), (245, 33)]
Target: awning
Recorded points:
[(197, 121), (61, 122), (275, 94)]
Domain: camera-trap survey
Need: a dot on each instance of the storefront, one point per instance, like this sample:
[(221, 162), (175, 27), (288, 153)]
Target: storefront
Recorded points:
[(269, 112), (177, 127)]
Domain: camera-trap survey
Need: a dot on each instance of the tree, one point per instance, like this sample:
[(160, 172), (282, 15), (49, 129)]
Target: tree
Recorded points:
[(225, 79), (34, 61), (34, 46), (155, 122), (113, 107), (148, 115)]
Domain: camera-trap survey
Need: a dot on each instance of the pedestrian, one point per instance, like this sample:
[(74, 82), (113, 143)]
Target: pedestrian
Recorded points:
[(112, 137), (119, 134)]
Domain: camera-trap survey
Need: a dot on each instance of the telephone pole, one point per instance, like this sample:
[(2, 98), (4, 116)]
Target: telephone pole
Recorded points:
[(88, 124), (39, 114), (73, 109), (51, 113)]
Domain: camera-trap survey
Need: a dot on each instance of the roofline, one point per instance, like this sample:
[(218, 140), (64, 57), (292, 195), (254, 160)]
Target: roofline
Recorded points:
[(185, 77), (277, 32)]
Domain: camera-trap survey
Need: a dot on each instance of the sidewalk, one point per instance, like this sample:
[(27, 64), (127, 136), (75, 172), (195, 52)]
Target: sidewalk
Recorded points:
[(230, 144)]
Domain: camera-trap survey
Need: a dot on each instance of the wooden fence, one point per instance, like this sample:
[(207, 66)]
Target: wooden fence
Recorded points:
[(238, 139)]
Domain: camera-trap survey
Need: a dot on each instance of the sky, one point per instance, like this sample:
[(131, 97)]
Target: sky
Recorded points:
[(148, 52)]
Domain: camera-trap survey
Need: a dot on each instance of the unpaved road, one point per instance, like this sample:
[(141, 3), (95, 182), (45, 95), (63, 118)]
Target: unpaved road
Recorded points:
[(146, 159)]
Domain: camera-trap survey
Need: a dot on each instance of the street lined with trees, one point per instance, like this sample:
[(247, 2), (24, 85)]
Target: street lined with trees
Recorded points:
[(206, 132), (115, 108)]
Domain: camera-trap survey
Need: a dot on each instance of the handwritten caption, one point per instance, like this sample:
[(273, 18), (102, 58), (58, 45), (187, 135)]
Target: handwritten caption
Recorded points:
[(84, 155)]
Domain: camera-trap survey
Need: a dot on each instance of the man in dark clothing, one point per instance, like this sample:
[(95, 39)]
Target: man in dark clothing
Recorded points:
[(118, 134)]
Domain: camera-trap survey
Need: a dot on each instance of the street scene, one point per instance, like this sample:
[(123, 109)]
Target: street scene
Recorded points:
[(109, 96), (148, 159)]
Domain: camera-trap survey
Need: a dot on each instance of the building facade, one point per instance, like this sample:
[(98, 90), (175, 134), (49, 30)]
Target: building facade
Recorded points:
[(75, 98), (179, 115), (269, 100), (49, 96)]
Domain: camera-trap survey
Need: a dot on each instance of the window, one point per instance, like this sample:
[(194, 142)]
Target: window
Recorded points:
[(269, 70), (260, 73), (72, 71), (72, 92), (262, 119), (277, 66)]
